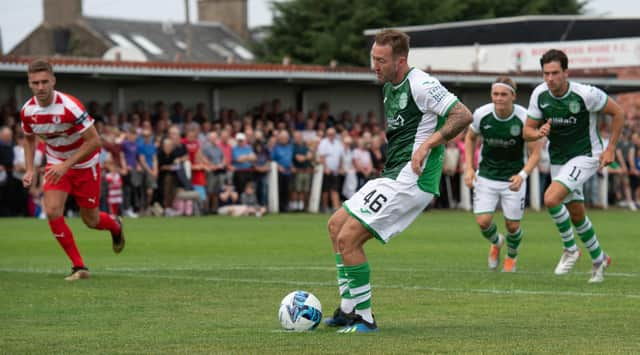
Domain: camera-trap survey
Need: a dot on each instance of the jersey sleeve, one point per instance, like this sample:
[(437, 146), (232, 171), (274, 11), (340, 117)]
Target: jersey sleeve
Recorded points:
[(81, 119), (475, 124), (534, 111), (26, 128), (432, 96), (594, 98)]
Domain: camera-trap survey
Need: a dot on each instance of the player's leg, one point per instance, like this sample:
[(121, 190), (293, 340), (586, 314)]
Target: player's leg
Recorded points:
[(587, 234), (566, 188), (485, 200), (54, 201), (344, 314), (351, 239), (86, 190), (554, 198), (513, 238), (513, 203)]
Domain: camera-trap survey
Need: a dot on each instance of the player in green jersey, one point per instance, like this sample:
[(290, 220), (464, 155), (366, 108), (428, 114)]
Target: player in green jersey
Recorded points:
[(566, 112), (502, 172), (421, 115)]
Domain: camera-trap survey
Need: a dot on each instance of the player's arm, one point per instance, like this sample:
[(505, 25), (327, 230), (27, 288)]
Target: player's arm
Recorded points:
[(615, 111), (534, 149), (533, 130), (29, 154), (469, 150), (459, 117), (91, 142), (621, 161)]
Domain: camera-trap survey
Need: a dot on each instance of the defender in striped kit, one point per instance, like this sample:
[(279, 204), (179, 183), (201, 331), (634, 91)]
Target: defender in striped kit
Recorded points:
[(72, 148), (421, 115), (502, 173), (567, 112)]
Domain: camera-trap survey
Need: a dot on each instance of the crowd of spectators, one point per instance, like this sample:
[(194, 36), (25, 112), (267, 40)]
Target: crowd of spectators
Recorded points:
[(178, 161)]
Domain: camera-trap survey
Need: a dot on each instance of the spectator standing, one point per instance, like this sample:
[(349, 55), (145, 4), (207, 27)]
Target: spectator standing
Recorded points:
[(243, 158), (131, 173), (148, 159), (216, 171), (330, 156), (282, 154), (303, 170)]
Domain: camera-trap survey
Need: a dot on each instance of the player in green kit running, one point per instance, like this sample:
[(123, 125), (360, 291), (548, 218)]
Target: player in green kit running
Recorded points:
[(502, 174), (421, 115), (566, 112)]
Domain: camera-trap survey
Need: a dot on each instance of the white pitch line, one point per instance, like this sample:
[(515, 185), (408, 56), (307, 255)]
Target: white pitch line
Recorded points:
[(322, 268), (332, 284)]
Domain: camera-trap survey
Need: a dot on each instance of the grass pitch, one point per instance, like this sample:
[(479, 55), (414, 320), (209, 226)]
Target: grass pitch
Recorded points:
[(213, 285)]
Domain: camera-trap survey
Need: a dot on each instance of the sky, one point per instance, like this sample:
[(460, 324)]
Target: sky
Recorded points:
[(19, 17)]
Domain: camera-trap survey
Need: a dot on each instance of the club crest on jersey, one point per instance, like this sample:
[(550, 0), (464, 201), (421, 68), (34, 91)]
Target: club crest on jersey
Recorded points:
[(56, 119), (574, 107), (395, 122), (514, 130), (403, 100)]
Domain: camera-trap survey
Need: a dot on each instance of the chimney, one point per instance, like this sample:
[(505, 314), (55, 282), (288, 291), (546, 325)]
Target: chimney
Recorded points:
[(231, 13), (62, 13)]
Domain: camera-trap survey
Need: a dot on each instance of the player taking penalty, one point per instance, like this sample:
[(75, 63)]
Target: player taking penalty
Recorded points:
[(72, 151), (421, 115)]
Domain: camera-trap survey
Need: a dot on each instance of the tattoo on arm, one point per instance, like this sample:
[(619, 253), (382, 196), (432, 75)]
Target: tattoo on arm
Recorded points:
[(459, 118)]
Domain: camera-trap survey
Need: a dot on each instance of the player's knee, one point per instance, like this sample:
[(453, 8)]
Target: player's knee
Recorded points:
[(484, 222), (334, 225), (89, 221), (346, 244), (551, 200), (54, 212), (512, 226)]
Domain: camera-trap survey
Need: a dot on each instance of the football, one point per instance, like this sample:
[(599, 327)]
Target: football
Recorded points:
[(300, 311)]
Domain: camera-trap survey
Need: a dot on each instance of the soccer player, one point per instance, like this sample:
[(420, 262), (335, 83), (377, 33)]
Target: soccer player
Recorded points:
[(566, 112), (502, 174), (421, 116), (73, 149)]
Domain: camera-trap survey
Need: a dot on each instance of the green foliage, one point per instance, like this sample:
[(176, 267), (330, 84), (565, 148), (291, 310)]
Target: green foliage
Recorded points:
[(212, 285), (317, 31)]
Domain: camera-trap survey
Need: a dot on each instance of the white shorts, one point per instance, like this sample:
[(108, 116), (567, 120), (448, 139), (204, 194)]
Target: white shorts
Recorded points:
[(386, 207), (573, 174), (487, 193)]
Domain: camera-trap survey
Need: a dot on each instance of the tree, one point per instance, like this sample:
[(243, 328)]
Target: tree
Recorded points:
[(318, 31)]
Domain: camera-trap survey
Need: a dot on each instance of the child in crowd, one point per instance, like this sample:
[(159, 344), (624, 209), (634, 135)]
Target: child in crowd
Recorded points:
[(114, 187)]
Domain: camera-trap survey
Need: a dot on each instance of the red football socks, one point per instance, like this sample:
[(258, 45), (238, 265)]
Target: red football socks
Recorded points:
[(107, 222), (64, 236)]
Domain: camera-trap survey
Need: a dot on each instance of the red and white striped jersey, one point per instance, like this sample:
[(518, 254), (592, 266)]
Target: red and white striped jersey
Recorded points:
[(114, 187), (60, 125)]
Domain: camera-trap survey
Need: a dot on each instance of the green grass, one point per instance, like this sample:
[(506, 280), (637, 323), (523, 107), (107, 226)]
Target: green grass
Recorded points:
[(213, 285)]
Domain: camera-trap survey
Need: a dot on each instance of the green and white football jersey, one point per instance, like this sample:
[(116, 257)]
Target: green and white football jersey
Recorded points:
[(574, 130), (502, 154), (415, 109)]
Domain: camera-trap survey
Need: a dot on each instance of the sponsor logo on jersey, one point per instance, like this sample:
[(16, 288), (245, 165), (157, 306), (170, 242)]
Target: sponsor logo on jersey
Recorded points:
[(437, 93), (574, 107), (499, 142), (403, 100), (563, 121), (395, 122), (515, 130)]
